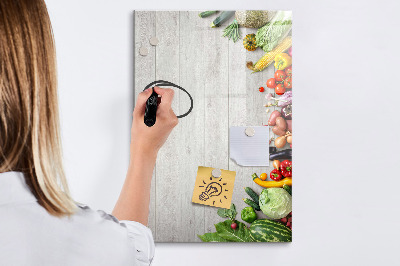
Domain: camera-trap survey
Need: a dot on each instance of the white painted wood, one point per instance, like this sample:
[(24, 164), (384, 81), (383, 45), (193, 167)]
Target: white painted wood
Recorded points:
[(225, 93), (216, 114), (168, 176), (144, 74), (192, 53)]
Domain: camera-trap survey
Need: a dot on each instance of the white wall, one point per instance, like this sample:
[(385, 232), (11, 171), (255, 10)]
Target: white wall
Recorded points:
[(346, 126)]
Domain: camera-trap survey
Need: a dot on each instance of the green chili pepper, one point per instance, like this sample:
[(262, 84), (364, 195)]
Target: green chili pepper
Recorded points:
[(249, 215)]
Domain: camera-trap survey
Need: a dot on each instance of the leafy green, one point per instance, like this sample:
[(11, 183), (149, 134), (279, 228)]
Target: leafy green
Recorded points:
[(224, 231), (212, 237), (223, 212), (268, 36), (240, 234), (228, 213)]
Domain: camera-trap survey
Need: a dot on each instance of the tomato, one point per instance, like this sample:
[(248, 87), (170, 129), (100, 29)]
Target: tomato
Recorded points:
[(280, 75), (288, 71), (288, 82), (280, 89), (271, 83), (263, 176), (261, 89)]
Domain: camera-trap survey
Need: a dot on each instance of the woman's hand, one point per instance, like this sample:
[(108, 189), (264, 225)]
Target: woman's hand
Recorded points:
[(146, 141), (133, 202)]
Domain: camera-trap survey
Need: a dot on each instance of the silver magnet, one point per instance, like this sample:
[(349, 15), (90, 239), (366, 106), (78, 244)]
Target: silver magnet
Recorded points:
[(154, 41), (249, 131), (216, 173), (143, 51)]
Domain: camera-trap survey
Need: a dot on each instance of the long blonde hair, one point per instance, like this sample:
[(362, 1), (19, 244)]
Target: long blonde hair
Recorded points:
[(29, 122)]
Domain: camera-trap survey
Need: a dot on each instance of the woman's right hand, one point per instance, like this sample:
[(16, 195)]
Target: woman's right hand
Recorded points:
[(133, 202), (146, 141)]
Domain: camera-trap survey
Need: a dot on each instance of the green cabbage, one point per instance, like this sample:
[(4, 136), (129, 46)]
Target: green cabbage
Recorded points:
[(276, 203)]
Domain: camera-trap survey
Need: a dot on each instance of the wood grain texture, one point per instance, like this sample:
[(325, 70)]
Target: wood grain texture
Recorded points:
[(168, 176), (145, 69), (192, 54), (216, 114), (225, 93)]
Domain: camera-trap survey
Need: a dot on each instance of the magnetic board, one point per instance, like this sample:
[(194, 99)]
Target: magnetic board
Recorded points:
[(213, 69)]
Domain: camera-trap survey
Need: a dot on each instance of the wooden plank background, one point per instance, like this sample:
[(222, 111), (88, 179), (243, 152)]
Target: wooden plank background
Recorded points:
[(213, 69)]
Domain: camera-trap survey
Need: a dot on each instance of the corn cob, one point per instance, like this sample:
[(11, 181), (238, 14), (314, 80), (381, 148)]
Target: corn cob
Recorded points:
[(268, 58)]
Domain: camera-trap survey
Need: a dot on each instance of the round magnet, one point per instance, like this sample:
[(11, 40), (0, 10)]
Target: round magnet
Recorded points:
[(143, 51), (249, 131), (216, 173), (154, 41)]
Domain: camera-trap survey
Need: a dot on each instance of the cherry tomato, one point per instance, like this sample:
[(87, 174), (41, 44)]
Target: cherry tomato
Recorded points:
[(288, 82), (280, 89), (261, 89), (288, 71), (271, 83), (263, 176), (233, 226), (280, 75)]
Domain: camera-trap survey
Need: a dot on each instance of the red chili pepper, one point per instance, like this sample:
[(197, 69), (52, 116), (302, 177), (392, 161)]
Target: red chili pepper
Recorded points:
[(275, 175), (286, 168)]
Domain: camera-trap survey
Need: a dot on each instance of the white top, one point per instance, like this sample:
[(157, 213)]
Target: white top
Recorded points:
[(31, 236)]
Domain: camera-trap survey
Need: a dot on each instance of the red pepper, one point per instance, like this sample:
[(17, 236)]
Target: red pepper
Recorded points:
[(286, 168), (275, 175)]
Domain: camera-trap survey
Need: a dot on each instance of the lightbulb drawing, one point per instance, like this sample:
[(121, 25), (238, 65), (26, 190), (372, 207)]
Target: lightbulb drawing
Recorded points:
[(213, 189)]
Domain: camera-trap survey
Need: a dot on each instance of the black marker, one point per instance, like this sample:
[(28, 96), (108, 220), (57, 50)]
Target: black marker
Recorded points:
[(152, 102), (151, 109)]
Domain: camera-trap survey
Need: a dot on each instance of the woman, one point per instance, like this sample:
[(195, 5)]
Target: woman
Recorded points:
[(40, 224)]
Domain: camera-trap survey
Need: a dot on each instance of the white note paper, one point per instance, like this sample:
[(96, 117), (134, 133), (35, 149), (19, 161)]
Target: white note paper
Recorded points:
[(249, 150)]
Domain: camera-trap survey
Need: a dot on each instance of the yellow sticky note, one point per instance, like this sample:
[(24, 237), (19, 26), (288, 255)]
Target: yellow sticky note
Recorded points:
[(212, 191)]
